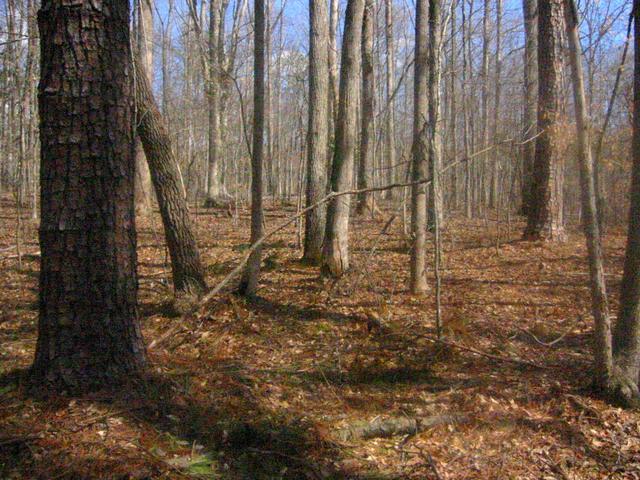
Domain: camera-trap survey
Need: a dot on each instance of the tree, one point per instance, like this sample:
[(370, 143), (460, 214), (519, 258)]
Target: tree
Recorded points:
[(335, 253), (626, 340), (188, 273), (215, 191), (88, 333), (367, 92), (251, 274), (144, 41), (318, 130), (529, 8), (390, 125), (419, 166), (545, 217), (599, 303)]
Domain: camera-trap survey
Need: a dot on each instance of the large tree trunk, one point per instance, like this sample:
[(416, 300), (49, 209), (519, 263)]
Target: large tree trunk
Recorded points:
[(530, 9), (545, 220), (188, 274), (144, 33), (599, 305), (88, 332), (334, 14), (318, 134), (627, 331), (419, 150), (367, 133), (335, 254), (249, 282)]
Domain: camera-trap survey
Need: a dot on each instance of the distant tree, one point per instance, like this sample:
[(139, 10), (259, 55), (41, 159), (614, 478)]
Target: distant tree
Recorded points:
[(318, 130), (335, 254), (251, 274), (530, 13), (88, 333), (545, 216), (419, 165), (367, 93), (144, 47)]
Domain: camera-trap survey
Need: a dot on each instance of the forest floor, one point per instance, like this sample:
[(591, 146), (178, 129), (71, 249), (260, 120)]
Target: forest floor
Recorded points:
[(263, 389)]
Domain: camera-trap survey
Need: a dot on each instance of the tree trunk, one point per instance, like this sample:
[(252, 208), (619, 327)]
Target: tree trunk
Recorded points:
[(88, 333), (318, 135), (188, 274), (144, 32), (335, 253), (627, 331), (367, 133), (215, 195), (249, 282), (333, 58), (530, 12), (545, 220), (419, 150), (390, 128), (435, 127), (599, 304)]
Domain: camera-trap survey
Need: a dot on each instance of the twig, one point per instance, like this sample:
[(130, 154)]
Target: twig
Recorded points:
[(546, 344)]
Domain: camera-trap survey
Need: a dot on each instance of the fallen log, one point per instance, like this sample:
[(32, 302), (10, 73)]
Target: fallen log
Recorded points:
[(389, 427)]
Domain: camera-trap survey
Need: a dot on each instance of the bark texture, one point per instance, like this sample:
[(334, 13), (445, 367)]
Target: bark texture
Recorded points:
[(144, 41), (249, 282), (419, 165), (318, 134), (545, 219), (627, 331), (529, 129), (335, 254), (188, 274), (367, 136), (599, 304), (88, 332)]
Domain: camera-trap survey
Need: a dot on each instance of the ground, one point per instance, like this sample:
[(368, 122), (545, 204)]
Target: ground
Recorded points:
[(262, 389)]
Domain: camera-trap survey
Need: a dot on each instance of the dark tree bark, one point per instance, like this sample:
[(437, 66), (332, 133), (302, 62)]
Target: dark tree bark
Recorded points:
[(530, 12), (545, 220), (419, 167), (367, 140), (88, 333), (626, 342), (249, 282), (188, 274), (335, 254), (318, 134)]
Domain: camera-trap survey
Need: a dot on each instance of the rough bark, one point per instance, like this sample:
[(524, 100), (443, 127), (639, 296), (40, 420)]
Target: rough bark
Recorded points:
[(333, 58), (435, 122), (318, 134), (249, 282), (88, 333), (419, 153), (335, 252), (599, 304), (367, 134), (626, 339), (545, 220), (529, 128), (144, 34), (188, 274)]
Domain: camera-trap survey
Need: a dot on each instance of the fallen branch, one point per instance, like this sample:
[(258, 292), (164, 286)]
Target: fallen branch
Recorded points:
[(499, 358), (180, 325), (389, 427)]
